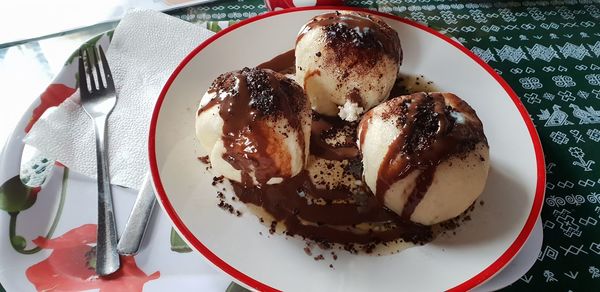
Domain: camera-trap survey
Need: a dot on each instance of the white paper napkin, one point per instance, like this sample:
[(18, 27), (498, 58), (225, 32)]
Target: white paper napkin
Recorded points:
[(145, 49)]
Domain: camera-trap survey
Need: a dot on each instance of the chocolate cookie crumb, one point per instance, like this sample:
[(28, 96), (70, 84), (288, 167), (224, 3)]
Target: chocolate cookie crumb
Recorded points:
[(204, 159), (307, 251), (218, 180), (226, 207)]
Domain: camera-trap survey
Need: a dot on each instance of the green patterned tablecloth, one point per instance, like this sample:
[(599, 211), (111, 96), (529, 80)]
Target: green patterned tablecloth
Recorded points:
[(549, 52)]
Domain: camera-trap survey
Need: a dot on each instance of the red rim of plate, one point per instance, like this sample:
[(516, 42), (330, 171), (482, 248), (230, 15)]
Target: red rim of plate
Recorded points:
[(481, 277)]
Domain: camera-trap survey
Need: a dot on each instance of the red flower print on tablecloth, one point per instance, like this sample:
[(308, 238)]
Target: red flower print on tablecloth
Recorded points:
[(54, 95), (70, 266)]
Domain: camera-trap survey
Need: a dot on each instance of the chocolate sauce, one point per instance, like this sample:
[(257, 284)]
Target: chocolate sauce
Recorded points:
[(362, 127), (429, 135), (282, 63), (293, 203), (251, 101), (357, 216), (356, 32), (326, 127), (330, 215)]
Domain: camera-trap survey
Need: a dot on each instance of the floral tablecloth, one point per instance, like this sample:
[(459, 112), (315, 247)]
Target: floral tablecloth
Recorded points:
[(549, 52)]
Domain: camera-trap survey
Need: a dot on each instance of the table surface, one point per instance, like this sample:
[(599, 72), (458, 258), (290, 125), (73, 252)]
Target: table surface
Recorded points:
[(548, 51)]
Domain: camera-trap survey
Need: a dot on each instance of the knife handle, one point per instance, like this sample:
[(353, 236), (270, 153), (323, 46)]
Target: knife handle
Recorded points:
[(132, 236)]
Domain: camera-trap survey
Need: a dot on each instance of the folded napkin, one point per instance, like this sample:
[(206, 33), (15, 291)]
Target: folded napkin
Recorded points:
[(144, 51)]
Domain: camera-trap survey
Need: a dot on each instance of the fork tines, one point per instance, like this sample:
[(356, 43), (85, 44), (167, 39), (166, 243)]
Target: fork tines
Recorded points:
[(92, 80)]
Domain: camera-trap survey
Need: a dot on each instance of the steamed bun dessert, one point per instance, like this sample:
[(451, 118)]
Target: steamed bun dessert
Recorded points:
[(347, 62), (425, 155), (255, 126)]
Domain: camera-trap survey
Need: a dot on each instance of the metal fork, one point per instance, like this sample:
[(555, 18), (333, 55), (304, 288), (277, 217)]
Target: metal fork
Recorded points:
[(98, 98)]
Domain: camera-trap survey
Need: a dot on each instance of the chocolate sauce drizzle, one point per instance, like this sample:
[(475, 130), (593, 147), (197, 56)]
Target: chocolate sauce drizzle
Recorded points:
[(334, 220), (251, 102), (326, 127), (429, 135), (348, 216), (282, 63), (330, 214)]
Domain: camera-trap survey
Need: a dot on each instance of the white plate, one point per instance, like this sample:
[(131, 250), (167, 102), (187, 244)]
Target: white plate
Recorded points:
[(483, 246)]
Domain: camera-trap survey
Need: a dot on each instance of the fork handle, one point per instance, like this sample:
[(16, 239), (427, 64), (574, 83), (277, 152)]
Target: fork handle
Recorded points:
[(107, 258)]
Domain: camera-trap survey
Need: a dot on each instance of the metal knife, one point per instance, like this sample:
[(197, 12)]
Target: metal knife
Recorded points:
[(133, 235)]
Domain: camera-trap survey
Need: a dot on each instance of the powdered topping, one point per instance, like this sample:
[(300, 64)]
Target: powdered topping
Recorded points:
[(352, 33)]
